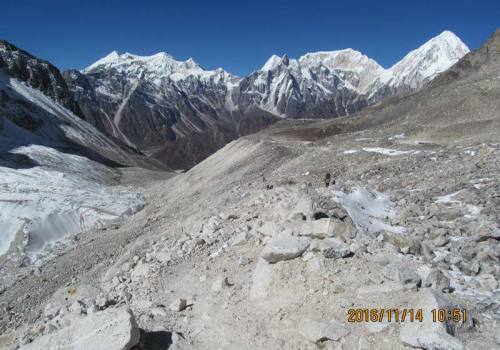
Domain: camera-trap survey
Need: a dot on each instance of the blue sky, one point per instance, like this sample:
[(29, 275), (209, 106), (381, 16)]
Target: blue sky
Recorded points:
[(237, 35)]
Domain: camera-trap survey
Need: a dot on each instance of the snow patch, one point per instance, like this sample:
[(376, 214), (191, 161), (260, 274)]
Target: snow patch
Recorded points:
[(368, 209), (447, 198), (386, 151)]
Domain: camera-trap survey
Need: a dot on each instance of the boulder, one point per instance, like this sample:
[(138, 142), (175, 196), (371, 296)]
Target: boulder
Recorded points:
[(401, 273), (429, 334), (433, 278), (406, 244), (112, 329), (487, 282), (345, 228), (334, 248), (321, 228), (285, 248)]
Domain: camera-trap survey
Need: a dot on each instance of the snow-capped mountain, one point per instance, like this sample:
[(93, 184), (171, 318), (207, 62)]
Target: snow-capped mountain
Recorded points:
[(337, 83), (422, 65), (148, 101)]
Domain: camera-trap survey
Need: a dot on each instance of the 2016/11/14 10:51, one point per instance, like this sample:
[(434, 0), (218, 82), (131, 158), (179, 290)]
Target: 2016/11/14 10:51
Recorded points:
[(405, 315)]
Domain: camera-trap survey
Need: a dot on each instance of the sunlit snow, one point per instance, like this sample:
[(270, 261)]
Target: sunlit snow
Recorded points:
[(368, 209)]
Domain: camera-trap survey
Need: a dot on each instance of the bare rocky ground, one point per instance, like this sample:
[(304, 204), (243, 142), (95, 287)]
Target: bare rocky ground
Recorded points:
[(248, 249), (206, 234)]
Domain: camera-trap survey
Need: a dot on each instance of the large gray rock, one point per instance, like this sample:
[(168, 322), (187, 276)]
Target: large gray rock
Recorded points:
[(344, 228), (433, 278), (401, 273), (334, 248), (428, 334), (316, 229), (285, 248), (316, 331), (112, 329)]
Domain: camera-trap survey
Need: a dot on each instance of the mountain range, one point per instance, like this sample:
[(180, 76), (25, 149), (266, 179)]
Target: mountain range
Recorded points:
[(179, 113)]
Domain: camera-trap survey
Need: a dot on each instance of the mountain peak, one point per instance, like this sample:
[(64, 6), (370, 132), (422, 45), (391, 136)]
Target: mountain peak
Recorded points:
[(447, 35), (271, 63), (159, 64), (340, 59), (112, 56), (426, 62), (191, 64)]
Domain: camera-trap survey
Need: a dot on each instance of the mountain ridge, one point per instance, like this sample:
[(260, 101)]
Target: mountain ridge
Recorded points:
[(151, 102)]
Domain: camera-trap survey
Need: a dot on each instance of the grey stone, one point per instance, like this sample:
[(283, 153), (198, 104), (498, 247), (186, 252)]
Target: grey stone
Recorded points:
[(243, 260), (344, 229), (321, 228), (269, 228), (433, 278), (440, 241), (406, 244), (316, 331), (285, 248), (178, 305), (486, 281), (241, 238), (334, 248), (429, 334), (112, 329), (401, 273), (261, 279)]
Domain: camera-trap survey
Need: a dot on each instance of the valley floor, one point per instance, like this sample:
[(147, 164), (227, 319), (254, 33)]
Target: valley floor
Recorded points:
[(220, 260)]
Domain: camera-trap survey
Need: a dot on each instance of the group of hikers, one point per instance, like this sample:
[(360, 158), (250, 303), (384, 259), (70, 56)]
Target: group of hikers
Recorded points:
[(328, 181)]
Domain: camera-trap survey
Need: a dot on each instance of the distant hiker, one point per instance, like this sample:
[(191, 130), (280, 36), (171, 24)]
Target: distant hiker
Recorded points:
[(327, 179)]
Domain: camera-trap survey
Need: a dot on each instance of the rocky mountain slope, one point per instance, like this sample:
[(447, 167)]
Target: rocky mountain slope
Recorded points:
[(153, 102), (58, 172), (37, 73), (249, 249)]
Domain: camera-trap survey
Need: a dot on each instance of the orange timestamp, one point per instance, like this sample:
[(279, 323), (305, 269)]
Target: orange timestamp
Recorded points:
[(405, 315)]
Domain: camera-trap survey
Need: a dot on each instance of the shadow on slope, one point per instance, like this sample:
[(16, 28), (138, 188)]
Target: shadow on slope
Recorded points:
[(16, 161)]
